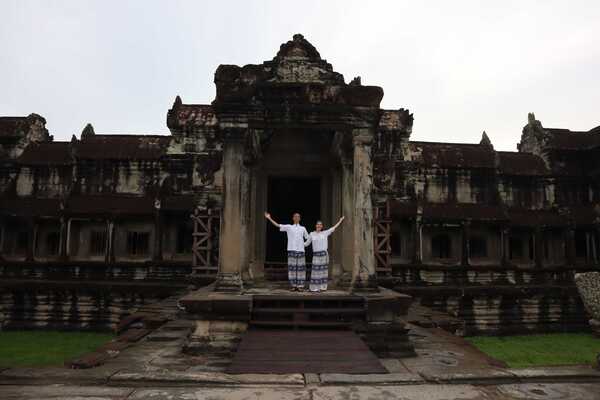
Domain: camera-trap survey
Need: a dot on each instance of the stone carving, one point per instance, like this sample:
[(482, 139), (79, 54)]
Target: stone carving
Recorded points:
[(588, 285), (485, 141), (87, 132)]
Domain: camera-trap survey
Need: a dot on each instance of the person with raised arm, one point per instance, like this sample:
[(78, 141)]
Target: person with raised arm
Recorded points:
[(320, 261), (296, 235)]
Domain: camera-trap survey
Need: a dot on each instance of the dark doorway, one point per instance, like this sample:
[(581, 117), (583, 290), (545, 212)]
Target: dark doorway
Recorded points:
[(285, 196)]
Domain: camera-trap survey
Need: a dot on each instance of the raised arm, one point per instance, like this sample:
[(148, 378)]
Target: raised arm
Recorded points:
[(333, 228), (339, 222), (268, 216)]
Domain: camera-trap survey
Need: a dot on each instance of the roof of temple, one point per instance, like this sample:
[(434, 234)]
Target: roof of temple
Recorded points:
[(13, 126), (569, 140), (182, 115), (515, 163), (47, 153), (122, 147), (452, 155)]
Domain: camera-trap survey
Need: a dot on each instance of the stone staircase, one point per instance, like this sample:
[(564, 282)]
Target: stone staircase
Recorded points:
[(307, 311)]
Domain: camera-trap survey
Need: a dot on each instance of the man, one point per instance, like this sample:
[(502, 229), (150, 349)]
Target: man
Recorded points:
[(296, 235)]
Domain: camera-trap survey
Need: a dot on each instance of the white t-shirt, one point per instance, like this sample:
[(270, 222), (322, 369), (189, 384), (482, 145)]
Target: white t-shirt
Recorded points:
[(295, 236), (319, 239)]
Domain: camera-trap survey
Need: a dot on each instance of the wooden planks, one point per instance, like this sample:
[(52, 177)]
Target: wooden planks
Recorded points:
[(263, 351)]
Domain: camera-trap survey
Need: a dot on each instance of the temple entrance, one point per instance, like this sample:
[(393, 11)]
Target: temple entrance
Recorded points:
[(285, 196)]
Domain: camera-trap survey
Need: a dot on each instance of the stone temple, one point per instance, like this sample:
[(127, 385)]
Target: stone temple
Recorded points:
[(98, 226)]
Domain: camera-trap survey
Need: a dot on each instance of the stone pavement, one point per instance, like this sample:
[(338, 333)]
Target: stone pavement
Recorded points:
[(519, 391), (446, 367)]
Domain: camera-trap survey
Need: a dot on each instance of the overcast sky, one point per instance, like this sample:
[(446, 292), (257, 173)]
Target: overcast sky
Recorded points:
[(460, 67)]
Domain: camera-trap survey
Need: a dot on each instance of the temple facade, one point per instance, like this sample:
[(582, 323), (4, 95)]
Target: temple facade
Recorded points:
[(94, 227)]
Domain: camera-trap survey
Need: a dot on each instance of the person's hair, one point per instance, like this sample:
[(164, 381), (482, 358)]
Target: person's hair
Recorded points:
[(296, 213)]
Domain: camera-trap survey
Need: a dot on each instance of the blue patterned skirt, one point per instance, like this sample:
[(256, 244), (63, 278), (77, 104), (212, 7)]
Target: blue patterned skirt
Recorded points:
[(319, 271)]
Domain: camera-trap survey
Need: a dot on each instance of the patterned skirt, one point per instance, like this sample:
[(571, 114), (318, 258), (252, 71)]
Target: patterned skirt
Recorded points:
[(319, 271), (296, 269)]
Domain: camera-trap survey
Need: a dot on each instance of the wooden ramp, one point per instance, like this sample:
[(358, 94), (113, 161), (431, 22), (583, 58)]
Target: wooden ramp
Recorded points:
[(270, 351)]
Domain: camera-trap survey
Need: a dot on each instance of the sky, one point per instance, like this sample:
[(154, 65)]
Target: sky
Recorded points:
[(461, 67)]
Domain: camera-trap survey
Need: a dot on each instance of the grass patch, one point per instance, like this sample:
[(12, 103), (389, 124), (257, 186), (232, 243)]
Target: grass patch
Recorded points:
[(43, 348), (540, 350)]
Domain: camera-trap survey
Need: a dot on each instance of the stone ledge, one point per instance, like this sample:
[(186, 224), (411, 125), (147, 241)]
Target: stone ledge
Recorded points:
[(552, 374), (354, 379), (488, 376), (41, 376), (210, 378)]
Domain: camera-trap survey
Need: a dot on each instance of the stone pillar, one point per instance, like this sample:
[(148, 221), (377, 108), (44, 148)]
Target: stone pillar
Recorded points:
[(231, 253), (64, 238), (418, 240), (466, 228), (110, 239), (31, 236), (364, 257), (246, 212), (505, 238), (538, 247), (157, 254), (3, 231), (570, 246), (347, 227)]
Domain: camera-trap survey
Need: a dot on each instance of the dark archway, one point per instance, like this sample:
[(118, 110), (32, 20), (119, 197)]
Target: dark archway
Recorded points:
[(285, 196)]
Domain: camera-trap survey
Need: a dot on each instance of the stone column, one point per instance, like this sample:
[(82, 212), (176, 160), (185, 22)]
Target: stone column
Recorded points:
[(64, 238), (466, 228), (110, 238), (505, 238), (418, 239), (364, 257), (231, 254), (157, 254), (3, 231), (347, 227), (538, 247), (31, 236), (570, 246)]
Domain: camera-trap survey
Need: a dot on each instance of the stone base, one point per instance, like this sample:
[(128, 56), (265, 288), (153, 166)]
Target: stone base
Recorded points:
[(227, 282), (222, 317), (214, 337)]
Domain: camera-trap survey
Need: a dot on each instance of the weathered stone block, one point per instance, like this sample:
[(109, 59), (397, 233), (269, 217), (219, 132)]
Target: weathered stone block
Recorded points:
[(588, 284)]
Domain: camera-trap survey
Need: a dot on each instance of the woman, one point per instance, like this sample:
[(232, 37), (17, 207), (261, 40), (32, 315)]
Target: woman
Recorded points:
[(320, 261)]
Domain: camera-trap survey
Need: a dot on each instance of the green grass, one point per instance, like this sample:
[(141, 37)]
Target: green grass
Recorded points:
[(540, 350), (43, 348)]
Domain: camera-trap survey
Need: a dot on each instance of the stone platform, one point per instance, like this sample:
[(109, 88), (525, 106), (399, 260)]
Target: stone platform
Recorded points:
[(222, 317)]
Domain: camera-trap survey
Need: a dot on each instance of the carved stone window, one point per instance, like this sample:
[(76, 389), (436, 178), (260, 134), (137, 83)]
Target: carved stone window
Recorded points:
[(21, 243), (580, 244), (396, 243), (138, 243), (52, 243), (478, 247), (184, 240), (97, 243), (515, 248), (17, 244), (441, 246)]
